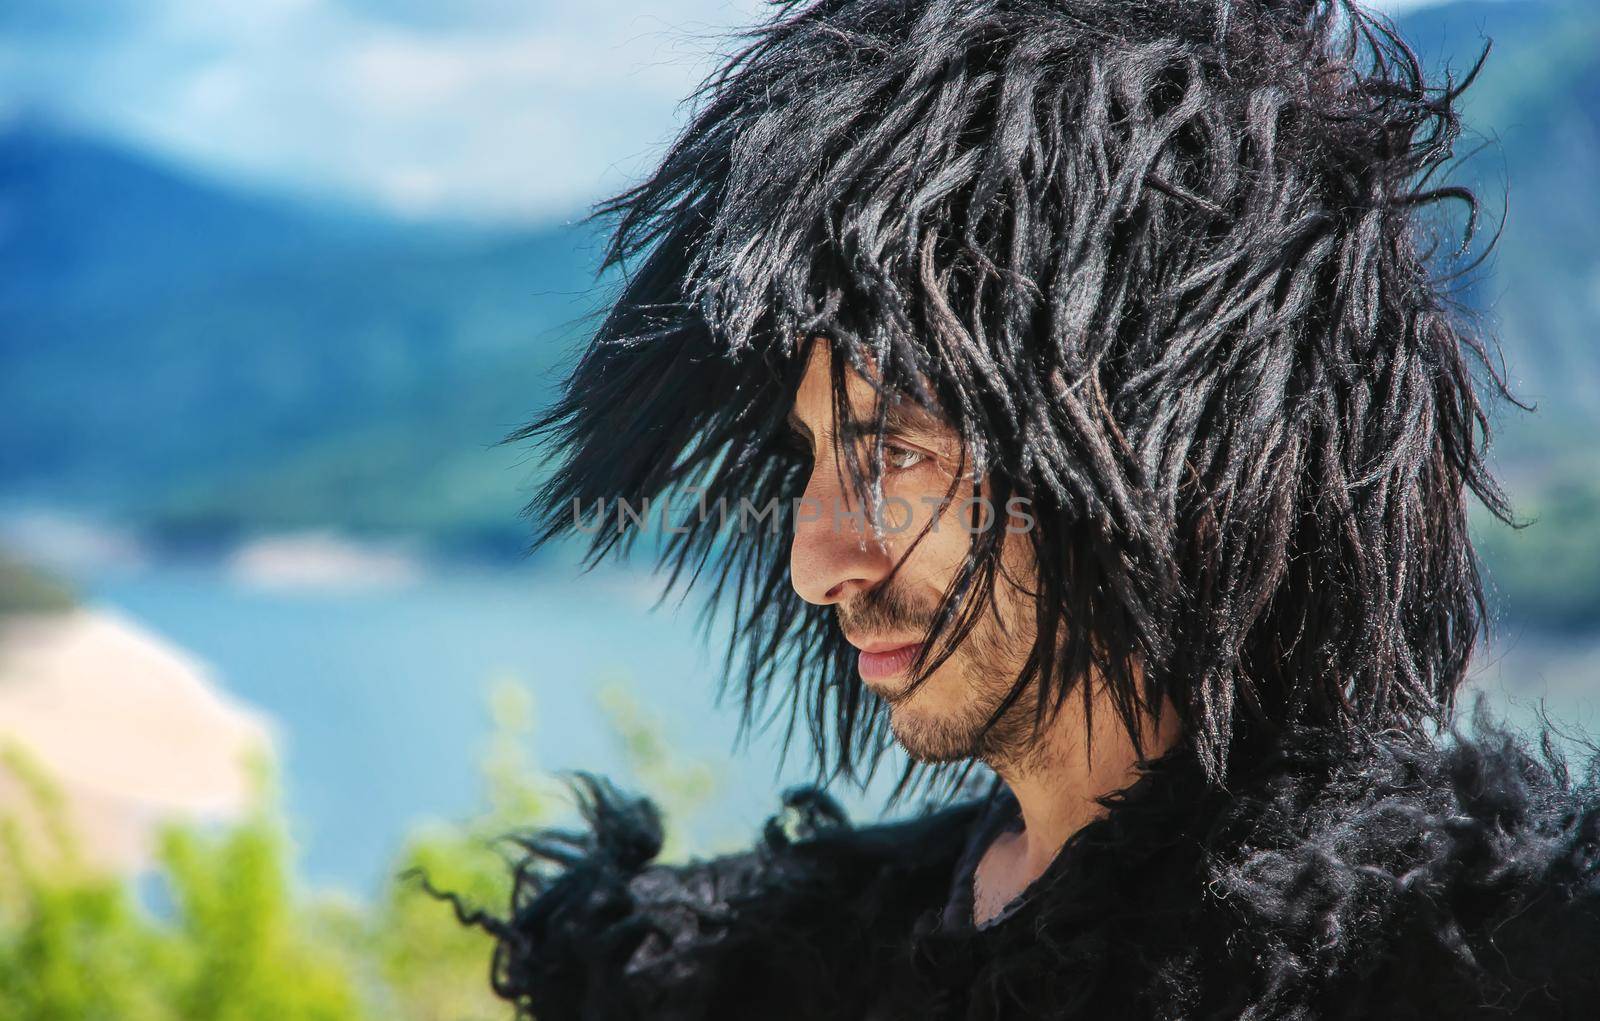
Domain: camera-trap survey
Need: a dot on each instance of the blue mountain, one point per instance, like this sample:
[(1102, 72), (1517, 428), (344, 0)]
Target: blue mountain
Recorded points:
[(171, 343), (84, 221)]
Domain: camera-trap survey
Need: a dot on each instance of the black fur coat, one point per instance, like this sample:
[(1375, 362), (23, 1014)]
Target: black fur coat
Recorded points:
[(1398, 878)]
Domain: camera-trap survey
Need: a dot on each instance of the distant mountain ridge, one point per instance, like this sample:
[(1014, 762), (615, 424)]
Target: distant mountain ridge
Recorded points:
[(171, 345), (86, 221)]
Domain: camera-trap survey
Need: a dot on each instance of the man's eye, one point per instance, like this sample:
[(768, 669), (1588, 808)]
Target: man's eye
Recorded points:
[(896, 458), (902, 458)]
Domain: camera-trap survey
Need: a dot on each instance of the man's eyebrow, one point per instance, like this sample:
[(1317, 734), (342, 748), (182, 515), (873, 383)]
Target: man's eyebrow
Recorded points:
[(901, 417)]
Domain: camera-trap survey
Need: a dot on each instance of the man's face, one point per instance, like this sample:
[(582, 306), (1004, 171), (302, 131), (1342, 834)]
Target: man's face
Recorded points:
[(838, 560)]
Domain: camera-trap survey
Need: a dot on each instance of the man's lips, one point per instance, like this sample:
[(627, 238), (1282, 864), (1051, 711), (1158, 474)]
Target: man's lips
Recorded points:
[(881, 660)]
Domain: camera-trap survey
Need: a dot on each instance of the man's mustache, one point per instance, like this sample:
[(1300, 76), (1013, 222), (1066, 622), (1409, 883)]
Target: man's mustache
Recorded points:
[(884, 609)]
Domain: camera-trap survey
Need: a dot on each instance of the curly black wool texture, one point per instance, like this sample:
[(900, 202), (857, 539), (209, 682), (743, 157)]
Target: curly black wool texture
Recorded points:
[(1396, 877)]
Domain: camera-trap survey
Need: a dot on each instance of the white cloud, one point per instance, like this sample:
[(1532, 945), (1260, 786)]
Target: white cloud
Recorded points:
[(413, 190), (215, 91), (531, 119)]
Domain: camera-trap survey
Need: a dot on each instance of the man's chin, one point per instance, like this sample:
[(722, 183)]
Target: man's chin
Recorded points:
[(929, 740)]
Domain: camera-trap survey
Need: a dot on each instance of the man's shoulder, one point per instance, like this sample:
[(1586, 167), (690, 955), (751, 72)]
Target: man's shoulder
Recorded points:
[(787, 928), (1454, 877), (1399, 877)]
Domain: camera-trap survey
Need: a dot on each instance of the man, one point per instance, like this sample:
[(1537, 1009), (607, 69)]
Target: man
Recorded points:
[(1127, 435)]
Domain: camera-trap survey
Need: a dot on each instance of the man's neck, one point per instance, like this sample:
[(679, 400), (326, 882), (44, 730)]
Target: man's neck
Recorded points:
[(1058, 791)]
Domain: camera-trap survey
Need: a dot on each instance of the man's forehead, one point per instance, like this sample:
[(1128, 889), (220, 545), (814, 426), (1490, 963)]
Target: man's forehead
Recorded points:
[(901, 416), (814, 399)]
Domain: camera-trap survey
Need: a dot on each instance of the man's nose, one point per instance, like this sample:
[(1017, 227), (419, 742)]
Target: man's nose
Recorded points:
[(834, 552)]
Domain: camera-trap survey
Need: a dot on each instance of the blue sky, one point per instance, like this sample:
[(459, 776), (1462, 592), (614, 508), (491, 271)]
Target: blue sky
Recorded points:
[(495, 109)]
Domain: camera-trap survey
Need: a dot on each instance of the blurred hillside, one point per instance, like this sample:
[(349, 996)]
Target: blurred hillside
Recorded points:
[(1532, 153), (1533, 148), (210, 363)]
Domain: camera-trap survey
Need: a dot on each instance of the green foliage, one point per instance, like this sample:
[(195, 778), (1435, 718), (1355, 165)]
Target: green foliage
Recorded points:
[(431, 968), (75, 945), (683, 789), (235, 936)]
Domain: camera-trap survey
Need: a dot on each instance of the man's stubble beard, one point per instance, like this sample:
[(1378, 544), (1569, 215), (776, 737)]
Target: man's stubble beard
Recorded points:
[(958, 733), (985, 665)]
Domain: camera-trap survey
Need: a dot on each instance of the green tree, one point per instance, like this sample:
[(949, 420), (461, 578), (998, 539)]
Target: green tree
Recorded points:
[(237, 936)]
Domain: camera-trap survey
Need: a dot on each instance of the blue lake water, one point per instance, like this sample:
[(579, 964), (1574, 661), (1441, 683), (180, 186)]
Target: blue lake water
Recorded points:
[(380, 696)]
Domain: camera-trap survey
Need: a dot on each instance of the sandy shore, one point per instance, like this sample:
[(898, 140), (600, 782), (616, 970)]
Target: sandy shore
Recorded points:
[(133, 730)]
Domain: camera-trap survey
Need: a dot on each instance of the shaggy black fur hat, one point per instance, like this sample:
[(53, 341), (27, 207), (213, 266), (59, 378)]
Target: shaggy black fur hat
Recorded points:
[(1163, 265)]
